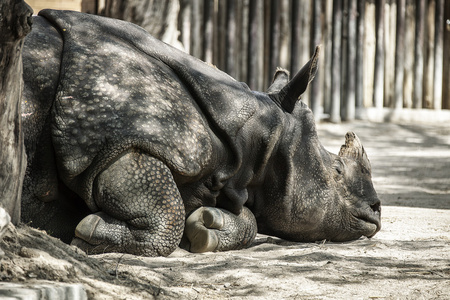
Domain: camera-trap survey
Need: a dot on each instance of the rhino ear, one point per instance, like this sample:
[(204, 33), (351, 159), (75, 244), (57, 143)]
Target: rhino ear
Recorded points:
[(280, 79), (289, 94), (353, 149)]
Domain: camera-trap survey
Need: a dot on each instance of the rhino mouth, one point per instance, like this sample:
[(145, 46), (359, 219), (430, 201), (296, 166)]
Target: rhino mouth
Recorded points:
[(370, 220)]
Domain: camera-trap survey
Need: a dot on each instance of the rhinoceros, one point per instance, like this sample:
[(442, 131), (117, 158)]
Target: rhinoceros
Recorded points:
[(134, 146)]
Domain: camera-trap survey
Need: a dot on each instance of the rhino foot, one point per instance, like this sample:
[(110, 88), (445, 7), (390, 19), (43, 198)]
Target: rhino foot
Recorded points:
[(215, 229), (141, 210)]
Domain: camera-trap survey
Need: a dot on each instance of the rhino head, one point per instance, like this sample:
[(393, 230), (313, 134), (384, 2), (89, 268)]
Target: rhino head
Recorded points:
[(313, 194)]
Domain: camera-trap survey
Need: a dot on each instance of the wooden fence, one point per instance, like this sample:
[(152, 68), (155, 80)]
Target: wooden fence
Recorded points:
[(383, 53)]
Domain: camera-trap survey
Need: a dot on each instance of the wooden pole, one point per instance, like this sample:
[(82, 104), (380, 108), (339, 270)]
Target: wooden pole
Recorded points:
[(359, 90), (379, 56), (408, 60), (15, 24), (429, 59), (274, 39), (296, 32), (285, 35), (327, 51), (185, 24), (196, 33), (230, 46), (446, 67), (438, 53), (399, 54), (255, 45), (335, 113), (316, 89), (351, 62), (208, 20), (418, 54)]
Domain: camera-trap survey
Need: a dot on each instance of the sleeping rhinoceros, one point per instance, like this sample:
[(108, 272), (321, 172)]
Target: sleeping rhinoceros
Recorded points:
[(132, 143)]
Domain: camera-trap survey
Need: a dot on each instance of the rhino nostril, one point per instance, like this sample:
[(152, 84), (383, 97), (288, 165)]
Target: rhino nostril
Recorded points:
[(376, 207)]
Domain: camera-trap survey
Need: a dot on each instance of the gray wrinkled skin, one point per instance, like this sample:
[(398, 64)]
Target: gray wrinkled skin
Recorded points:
[(132, 143)]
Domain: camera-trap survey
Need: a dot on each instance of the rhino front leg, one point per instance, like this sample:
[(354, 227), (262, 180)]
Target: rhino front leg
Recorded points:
[(141, 210), (215, 229)]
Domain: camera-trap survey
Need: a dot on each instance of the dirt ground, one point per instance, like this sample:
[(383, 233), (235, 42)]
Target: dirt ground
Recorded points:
[(408, 259)]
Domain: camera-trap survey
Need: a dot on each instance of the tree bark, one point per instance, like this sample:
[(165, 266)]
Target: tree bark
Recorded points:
[(230, 42), (335, 113), (274, 54), (159, 18), (15, 25), (359, 92), (208, 20), (379, 56), (316, 89), (399, 54), (255, 45), (418, 54), (438, 53), (446, 67), (351, 62)]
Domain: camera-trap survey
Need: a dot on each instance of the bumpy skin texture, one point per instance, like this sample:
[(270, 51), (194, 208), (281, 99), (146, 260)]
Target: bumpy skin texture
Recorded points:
[(134, 136)]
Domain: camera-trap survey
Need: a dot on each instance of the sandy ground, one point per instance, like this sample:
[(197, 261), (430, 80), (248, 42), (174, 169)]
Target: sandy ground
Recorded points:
[(408, 259)]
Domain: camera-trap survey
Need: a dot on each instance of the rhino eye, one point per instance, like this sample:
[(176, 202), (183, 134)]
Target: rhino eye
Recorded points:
[(339, 168)]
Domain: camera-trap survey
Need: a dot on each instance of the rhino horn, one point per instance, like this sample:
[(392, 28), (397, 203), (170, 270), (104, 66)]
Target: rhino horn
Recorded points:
[(289, 94), (354, 149)]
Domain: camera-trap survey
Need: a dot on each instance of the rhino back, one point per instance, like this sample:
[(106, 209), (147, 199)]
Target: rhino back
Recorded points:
[(120, 89)]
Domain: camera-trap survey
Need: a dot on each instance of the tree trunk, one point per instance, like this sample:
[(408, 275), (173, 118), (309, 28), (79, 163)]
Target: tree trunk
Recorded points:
[(230, 42), (379, 56), (399, 54), (185, 24), (316, 89), (15, 25), (438, 51), (446, 67), (160, 18), (274, 54), (351, 62), (208, 20), (327, 51), (359, 92), (418, 54), (429, 60), (335, 113), (255, 45)]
